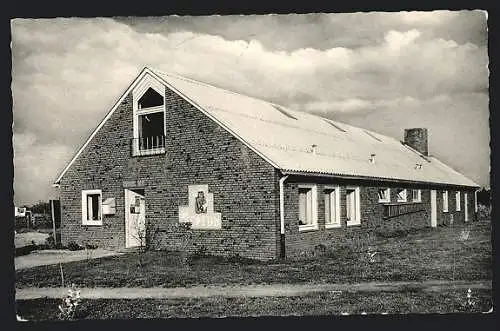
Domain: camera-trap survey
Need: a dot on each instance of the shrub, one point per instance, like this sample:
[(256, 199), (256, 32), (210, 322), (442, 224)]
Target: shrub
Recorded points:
[(201, 251), (50, 241), (90, 246), (73, 246), (67, 308), (483, 212)]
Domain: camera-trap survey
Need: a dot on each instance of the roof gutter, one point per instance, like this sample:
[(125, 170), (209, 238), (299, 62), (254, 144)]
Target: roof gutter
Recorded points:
[(305, 173)]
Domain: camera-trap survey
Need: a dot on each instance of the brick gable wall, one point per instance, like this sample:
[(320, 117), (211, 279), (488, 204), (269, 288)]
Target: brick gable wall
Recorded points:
[(198, 151)]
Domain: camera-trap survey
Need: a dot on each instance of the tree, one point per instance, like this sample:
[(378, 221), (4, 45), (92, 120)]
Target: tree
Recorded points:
[(41, 207)]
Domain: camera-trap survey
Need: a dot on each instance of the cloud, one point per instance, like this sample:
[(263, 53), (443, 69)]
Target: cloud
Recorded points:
[(35, 165), (68, 72)]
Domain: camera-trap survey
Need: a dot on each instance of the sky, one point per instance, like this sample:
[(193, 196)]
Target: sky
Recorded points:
[(381, 71)]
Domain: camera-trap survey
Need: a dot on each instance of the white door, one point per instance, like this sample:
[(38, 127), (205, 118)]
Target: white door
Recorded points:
[(433, 208), (466, 207), (135, 218)]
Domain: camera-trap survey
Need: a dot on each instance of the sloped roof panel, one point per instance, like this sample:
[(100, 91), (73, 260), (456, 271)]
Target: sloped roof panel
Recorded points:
[(286, 137)]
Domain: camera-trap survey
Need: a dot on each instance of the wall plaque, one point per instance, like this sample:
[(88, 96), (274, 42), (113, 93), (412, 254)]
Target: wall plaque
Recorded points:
[(200, 209)]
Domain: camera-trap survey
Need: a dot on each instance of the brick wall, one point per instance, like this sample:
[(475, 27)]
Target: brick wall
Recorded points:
[(373, 223), (198, 151), (444, 218)]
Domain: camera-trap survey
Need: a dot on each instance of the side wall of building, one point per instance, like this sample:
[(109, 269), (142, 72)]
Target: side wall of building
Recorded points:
[(198, 151), (373, 223)]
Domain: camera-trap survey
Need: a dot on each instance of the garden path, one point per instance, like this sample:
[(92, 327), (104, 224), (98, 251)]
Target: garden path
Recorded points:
[(249, 290)]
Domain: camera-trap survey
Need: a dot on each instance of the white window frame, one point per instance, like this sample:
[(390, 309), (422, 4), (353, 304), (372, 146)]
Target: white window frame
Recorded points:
[(405, 195), (445, 201), (141, 88), (387, 192), (457, 201), (419, 195), (357, 206), (314, 207), (85, 220), (335, 221)]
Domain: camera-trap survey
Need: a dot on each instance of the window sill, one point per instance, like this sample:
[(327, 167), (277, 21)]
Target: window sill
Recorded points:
[(147, 152), (384, 201), (401, 201), (92, 223), (305, 228), (353, 223), (333, 226)]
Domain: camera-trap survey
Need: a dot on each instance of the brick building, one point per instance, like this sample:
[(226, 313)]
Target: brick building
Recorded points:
[(250, 177)]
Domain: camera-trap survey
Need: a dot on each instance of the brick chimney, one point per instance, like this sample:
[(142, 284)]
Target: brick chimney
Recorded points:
[(417, 139)]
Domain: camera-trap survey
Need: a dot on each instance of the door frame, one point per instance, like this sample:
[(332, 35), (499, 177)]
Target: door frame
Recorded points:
[(433, 208), (125, 209)]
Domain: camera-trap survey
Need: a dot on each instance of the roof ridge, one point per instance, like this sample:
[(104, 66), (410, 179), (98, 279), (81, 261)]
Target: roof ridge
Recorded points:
[(197, 82)]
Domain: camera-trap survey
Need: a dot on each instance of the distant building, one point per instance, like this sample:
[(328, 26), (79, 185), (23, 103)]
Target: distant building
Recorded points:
[(19, 211), (251, 177)]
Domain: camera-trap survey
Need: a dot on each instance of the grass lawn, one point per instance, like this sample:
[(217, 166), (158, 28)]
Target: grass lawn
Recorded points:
[(445, 253), (314, 304)]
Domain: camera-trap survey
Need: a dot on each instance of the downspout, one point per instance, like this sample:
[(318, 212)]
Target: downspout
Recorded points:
[(475, 205), (282, 216)]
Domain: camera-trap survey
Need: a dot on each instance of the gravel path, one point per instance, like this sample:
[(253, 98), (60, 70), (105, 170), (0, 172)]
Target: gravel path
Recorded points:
[(247, 290)]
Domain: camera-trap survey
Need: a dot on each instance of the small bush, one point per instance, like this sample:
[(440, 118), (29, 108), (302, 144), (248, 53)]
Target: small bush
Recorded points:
[(90, 246), (73, 246), (483, 212), (50, 241)]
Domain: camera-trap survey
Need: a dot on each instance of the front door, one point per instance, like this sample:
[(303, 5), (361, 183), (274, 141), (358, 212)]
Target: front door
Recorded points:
[(135, 218), (433, 208)]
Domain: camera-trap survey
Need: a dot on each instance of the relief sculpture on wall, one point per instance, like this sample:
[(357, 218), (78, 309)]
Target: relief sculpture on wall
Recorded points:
[(200, 209)]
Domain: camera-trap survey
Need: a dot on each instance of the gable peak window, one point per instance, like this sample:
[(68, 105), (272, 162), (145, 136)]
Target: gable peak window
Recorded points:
[(384, 195), (150, 99), (149, 118)]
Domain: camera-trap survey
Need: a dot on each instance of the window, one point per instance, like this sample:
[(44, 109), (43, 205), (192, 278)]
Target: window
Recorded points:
[(416, 195), (332, 207), (352, 206), (149, 121), (384, 195), (308, 207), (401, 195), (445, 201), (92, 207), (457, 201)]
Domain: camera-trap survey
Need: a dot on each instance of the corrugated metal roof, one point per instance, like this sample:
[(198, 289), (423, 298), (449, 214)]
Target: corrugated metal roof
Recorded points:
[(286, 137)]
